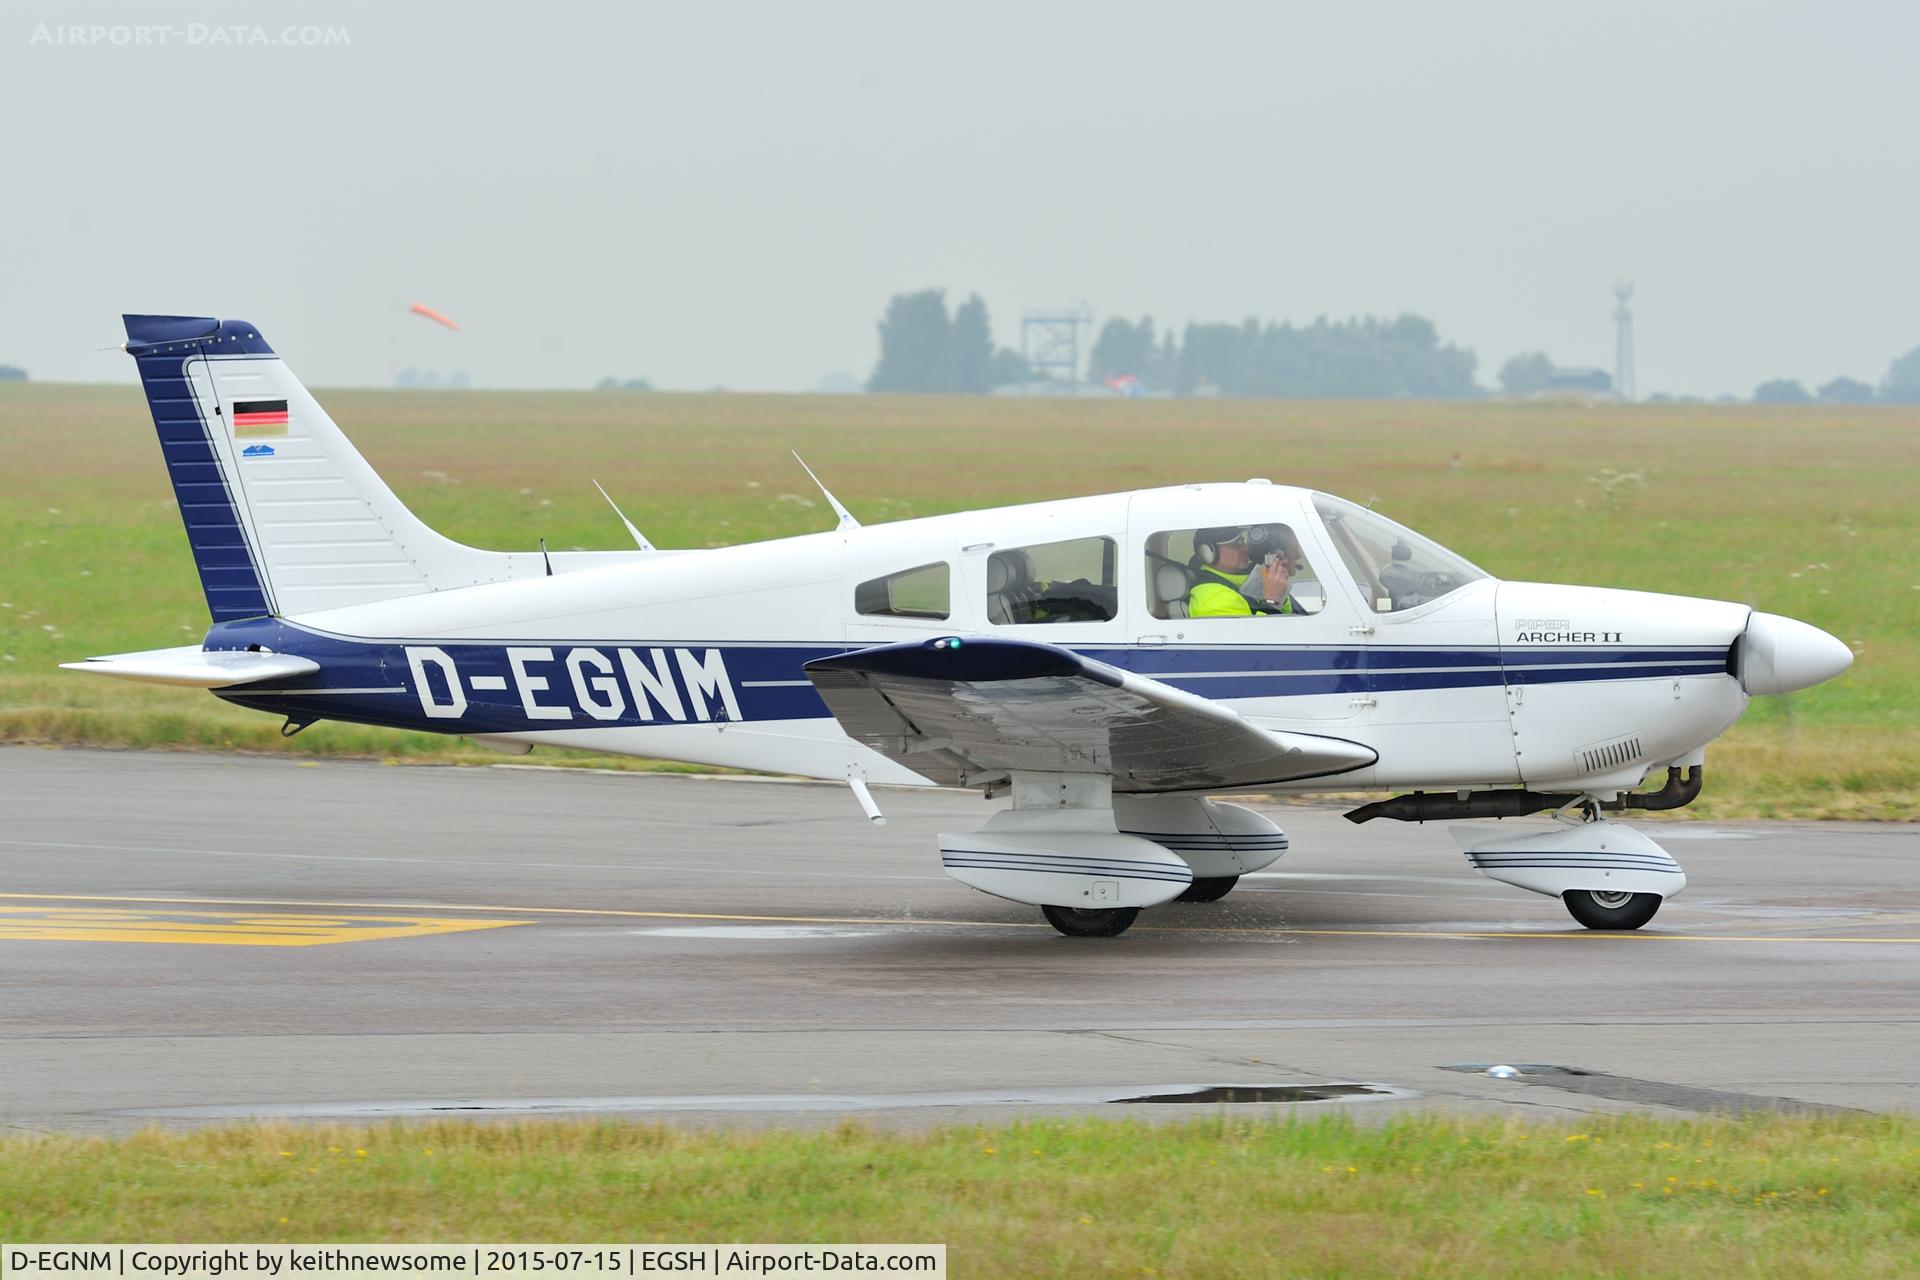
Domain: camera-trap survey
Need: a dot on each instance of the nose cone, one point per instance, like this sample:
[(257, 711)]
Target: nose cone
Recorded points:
[(1779, 655)]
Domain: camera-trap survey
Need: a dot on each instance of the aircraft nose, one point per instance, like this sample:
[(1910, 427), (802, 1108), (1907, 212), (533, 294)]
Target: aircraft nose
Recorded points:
[(1779, 655)]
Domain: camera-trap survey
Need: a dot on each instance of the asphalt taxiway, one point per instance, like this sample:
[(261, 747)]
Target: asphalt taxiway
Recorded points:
[(186, 939)]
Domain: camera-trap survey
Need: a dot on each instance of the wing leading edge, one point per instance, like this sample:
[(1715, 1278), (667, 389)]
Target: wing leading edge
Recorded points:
[(963, 712)]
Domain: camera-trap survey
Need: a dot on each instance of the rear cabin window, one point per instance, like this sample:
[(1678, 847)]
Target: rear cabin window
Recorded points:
[(921, 592), (1071, 581), (1224, 573)]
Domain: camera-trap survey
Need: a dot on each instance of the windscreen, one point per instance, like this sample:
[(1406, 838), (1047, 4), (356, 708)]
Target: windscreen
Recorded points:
[(1394, 567)]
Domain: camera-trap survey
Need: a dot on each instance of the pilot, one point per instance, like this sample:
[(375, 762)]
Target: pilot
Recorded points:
[(1227, 583)]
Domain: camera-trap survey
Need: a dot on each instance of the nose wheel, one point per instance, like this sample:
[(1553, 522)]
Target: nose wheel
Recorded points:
[(1603, 909)]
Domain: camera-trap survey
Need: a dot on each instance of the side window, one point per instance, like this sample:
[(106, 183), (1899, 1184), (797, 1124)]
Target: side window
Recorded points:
[(1234, 571), (1070, 581), (922, 592)]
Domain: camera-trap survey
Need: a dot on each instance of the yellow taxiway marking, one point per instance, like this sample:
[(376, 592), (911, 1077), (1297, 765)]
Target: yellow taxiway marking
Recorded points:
[(1479, 935), (228, 928)]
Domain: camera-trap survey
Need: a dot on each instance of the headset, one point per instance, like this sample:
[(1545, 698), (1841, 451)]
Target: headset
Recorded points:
[(1207, 542)]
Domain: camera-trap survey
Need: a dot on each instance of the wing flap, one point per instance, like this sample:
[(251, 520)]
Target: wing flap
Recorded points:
[(191, 667), (963, 711)]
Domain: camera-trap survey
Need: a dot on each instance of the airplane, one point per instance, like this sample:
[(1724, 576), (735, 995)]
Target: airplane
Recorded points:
[(1100, 661)]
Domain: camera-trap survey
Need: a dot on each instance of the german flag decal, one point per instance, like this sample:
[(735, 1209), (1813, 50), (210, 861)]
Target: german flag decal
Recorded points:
[(260, 418)]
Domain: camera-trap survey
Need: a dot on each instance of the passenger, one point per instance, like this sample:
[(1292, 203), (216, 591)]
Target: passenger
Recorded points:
[(1227, 584)]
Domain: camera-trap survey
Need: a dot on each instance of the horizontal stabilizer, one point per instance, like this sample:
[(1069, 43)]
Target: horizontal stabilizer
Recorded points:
[(191, 667), (960, 711)]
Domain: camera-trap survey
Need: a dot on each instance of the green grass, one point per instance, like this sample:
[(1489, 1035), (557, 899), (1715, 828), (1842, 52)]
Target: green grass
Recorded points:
[(1228, 1197), (1806, 512)]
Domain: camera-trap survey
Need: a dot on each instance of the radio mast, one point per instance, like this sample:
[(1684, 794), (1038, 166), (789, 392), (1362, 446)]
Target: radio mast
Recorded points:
[(1623, 389)]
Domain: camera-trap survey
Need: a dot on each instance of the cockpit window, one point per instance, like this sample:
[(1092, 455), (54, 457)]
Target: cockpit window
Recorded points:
[(1394, 567), (1069, 581), (1232, 571)]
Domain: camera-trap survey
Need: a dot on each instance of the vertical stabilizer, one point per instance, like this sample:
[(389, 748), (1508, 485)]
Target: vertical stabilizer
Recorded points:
[(283, 514)]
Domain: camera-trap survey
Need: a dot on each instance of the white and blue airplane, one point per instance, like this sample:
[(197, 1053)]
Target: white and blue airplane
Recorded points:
[(1112, 664)]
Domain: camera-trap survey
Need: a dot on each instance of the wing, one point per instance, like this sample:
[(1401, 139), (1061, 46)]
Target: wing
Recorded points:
[(963, 712), (192, 667)]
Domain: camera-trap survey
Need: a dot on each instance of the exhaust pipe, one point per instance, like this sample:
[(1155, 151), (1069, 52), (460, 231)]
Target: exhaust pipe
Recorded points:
[(1682, 788)]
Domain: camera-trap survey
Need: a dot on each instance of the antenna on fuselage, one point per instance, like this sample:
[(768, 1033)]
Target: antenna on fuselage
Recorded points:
[(639, 538), (846, 517)]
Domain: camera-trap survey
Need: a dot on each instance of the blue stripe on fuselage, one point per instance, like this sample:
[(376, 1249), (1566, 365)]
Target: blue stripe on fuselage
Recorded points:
[(509, 687)]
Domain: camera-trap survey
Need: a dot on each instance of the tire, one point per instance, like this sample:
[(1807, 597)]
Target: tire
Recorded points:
[(1208, 888), (1094, 922), (1600, 910)]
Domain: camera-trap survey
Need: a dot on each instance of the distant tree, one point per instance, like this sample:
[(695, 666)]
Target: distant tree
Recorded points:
[(12, 373), (623, 384), (1166, 363), (972, 348), (1526, 374), (1124, 347), (916, 344), (1007, 367), (1781, 391), (1902, 383), (1846, 391)]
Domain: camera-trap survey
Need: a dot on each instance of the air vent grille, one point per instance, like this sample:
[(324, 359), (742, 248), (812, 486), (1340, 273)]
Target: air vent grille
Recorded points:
[(1603, 757)]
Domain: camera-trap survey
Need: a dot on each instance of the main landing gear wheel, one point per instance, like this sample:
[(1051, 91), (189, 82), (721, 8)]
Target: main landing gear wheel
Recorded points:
[(1602, 909), (1208, 888), (1091, 922)]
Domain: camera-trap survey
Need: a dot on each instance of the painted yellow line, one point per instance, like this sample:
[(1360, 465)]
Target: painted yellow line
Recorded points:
[(1494, 935), (523, 911), (223, 928)]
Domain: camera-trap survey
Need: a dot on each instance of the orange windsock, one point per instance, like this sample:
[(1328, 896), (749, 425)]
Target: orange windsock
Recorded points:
[(422, 309)]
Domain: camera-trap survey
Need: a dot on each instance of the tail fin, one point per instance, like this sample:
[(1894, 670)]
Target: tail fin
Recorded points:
[(283, 514)]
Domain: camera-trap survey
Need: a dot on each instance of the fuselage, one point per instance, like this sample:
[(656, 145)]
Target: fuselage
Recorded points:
[(1455, 679)]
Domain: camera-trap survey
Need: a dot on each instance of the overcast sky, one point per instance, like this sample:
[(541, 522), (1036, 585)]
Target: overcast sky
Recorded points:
[(713, 194)]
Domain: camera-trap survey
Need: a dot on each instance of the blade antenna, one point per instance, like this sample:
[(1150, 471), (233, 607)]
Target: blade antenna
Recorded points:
[(639, 538), (846, 517)]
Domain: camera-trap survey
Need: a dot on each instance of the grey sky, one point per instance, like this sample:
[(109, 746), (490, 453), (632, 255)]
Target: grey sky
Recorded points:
[(711, 194)]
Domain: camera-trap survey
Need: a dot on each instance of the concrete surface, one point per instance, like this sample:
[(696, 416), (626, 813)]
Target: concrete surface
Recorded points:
[(753, 952)]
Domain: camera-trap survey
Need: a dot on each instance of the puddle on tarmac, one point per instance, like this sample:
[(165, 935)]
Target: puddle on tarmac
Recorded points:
[(1045, 1096)]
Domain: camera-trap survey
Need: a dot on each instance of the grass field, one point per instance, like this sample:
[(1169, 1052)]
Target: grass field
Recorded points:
[(1813, 513), (1220, 1197)]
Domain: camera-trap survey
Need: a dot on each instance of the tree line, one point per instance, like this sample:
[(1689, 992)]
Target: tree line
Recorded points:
[(1899, 385), (924, 347), (1532, 372), (1366, 357)]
